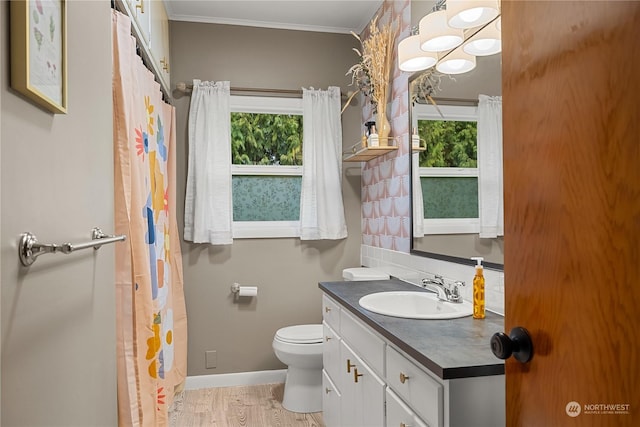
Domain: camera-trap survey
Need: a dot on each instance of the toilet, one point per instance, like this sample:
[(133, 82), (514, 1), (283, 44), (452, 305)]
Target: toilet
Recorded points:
[(300, 348)]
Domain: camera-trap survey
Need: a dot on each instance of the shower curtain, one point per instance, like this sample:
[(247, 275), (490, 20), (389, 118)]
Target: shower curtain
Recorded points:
[(151, 316)]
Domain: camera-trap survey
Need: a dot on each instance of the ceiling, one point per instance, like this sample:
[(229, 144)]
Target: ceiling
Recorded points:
[(328, 16)]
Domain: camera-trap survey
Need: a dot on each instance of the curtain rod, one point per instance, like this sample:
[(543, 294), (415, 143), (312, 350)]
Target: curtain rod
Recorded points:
[(451, 101), (184, 87)]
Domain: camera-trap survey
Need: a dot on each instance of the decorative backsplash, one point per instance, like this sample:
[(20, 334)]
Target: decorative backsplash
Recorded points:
[(386, 201)]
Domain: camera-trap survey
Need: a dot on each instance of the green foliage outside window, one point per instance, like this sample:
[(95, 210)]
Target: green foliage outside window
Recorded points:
[(449, 143), (266, 139)]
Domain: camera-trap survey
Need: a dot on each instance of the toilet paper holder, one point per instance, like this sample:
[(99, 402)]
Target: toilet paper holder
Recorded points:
[(244, 291)]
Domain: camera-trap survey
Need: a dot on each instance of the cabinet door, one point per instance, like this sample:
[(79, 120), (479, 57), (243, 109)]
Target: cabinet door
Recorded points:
[(141, 14), (348, 414), (160, 39), (362, 402)]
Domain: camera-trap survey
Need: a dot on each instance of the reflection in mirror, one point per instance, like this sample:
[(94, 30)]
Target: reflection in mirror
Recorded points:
[(455, 98)]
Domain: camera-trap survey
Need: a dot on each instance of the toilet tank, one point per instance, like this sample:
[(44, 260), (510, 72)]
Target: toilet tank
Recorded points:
[(363, 273)]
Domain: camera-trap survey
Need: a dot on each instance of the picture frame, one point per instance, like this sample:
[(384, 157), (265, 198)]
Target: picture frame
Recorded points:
[(39, 52)]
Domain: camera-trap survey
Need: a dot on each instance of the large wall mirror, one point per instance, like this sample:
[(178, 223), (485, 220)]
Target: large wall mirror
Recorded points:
[(451, 193)]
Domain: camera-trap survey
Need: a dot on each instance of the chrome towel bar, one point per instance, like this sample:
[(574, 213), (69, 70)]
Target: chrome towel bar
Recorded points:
[(29, 248)]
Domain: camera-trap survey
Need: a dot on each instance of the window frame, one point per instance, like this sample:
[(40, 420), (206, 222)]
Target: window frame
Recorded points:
[(457, 113), (265, 105)]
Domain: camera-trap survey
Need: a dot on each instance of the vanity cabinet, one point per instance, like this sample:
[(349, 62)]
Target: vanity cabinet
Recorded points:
[(353, 388), (150, 25), (370, 381)]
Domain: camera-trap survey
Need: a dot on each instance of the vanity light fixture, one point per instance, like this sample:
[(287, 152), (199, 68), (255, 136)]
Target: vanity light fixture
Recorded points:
[(486, 42), (439, 43), (412, 58), (457, 62), (436, 35), (471, 13)]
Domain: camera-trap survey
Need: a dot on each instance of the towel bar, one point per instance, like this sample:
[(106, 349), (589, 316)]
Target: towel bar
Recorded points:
[(29, 248)]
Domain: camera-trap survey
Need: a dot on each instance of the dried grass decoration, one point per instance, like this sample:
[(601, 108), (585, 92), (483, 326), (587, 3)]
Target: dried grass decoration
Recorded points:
[(371, 74)]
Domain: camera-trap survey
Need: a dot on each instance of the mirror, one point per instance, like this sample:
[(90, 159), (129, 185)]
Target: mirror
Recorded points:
[(459, 90)]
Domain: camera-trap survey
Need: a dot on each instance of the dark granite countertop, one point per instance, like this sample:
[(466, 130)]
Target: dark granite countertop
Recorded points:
[(451, 348)]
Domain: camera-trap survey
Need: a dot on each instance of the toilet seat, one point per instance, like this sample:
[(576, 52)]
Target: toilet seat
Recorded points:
[(300, 334)]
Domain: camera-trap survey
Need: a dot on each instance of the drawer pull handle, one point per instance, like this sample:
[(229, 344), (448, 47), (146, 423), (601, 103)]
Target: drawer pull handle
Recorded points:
[(356, 375), (165, 64), (327, 390), (140, 6), (403, 378), (405, 425), (349, 365), (327, 338), (327, 309)]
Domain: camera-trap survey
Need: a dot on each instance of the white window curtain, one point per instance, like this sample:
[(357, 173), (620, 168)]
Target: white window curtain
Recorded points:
[(208, 211), (321, 205), (416, 186), (490, 186), (418, 203)]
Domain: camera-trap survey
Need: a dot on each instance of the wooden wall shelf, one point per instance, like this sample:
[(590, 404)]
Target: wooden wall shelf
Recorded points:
[(368, 153)]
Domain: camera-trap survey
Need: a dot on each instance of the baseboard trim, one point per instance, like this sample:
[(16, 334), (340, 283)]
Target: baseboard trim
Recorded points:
[(236, 379)]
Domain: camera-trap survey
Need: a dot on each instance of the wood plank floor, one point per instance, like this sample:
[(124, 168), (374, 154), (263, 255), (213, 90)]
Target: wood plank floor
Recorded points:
[(242, 406)]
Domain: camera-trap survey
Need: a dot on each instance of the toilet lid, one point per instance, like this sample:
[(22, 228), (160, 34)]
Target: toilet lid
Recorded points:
[(300, 334)]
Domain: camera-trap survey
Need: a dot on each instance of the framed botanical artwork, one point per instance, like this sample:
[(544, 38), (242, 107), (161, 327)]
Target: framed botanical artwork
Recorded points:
[(39, 52)]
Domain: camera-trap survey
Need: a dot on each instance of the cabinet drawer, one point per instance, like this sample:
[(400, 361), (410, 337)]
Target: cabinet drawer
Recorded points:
[(423, 393), (331, 353), (331, 313), (330, 402), (399, 414), (364, 342)]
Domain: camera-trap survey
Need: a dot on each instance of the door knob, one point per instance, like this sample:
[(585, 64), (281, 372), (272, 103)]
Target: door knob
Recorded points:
[(518, 344)]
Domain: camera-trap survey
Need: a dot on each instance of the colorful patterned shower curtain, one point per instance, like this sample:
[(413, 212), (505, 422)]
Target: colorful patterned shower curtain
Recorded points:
[(151, 317)]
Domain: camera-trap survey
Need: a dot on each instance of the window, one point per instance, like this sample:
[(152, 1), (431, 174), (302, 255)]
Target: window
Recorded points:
[(448, 169), (266, 149)]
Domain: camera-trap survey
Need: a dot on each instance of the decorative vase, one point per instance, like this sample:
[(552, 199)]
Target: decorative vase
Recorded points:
[(383, 125)]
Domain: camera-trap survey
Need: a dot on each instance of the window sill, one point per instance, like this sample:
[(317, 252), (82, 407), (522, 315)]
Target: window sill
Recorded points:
[(452, 226), (265, 229)]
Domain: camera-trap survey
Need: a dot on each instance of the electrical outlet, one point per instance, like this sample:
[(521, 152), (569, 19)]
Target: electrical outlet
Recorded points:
[(210, 359)]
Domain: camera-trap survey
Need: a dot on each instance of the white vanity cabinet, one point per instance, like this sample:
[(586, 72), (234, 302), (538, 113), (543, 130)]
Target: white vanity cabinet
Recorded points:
[(151, 28), (353, 389), (140, 14), (369, 382)]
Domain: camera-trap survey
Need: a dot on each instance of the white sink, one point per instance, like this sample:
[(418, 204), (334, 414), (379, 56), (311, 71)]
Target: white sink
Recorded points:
[(414, 305)]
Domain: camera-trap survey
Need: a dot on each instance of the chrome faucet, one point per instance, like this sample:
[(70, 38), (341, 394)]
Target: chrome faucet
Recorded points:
[(449, 293)]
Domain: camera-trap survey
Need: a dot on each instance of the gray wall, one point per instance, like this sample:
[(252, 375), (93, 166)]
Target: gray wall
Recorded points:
[(58, 316), (286, 271)]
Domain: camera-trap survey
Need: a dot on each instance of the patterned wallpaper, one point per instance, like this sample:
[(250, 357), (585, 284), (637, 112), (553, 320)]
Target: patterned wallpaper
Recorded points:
[(386, 202)]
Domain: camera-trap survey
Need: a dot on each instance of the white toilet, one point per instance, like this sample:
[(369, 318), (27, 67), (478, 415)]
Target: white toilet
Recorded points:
[(300, 348)]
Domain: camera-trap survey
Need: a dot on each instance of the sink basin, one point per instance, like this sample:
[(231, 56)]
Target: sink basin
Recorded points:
[(414, 305)]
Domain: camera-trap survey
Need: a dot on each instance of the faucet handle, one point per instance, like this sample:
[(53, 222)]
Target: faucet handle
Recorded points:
[(455, 292)]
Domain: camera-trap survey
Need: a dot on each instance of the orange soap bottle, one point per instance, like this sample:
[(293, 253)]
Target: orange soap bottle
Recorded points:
[(478, 290)]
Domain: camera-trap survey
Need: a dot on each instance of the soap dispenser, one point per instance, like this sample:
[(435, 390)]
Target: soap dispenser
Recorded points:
[(478, 289), (415, 139), (373, 137)]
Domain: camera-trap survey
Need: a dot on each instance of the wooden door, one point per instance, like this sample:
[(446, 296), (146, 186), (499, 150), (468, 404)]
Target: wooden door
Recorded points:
[(571, 120)]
